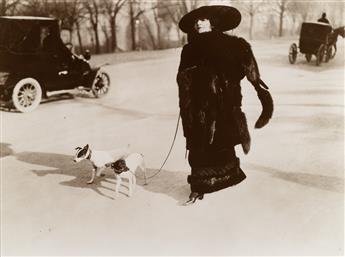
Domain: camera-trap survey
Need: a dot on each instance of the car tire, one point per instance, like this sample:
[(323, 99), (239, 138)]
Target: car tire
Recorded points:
[(26, 95), (101, 84)]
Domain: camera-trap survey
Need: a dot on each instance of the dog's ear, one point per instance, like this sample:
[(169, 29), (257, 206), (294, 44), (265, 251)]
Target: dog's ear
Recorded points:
[(78, 148), (87, 146)]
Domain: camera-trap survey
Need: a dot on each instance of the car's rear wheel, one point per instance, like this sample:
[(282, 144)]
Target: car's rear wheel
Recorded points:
[(101, 84), (26, 95)]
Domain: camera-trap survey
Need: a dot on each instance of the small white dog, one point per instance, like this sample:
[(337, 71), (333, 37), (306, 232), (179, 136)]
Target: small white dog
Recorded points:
[(126, 168), (100, 159)]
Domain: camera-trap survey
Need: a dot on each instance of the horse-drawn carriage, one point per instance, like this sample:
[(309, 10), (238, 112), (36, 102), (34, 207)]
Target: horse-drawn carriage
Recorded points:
[(34, 61), (316, 39)]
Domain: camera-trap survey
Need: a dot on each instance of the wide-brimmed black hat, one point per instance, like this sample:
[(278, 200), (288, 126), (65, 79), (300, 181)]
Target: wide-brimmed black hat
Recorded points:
[(227, 17)]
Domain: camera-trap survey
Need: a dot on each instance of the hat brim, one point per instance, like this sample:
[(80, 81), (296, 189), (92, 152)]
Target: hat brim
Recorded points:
[(228, 17)]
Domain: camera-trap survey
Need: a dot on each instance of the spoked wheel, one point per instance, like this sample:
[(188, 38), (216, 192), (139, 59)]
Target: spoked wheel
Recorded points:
[(321, 53), (293, 53), (101, 84), (308, 57), (27, 95), (331, 50)]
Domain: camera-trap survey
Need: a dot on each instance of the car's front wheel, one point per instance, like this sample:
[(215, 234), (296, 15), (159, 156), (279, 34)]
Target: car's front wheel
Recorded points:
[(26, 95), (101, 84)]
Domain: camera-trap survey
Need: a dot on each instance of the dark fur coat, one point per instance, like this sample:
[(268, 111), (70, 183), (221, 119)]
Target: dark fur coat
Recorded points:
[(211, 68)]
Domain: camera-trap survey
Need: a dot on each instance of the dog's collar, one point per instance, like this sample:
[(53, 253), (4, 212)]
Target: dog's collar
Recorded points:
[(89, 156)]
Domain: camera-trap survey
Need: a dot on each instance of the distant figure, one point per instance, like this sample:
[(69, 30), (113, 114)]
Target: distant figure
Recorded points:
[(51, 42), (323, 18)]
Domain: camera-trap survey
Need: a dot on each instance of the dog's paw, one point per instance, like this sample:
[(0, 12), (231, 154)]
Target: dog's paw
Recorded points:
[(90, 182)]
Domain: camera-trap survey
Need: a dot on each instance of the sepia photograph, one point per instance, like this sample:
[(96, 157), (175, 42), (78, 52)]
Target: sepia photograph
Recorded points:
[(172, 127)]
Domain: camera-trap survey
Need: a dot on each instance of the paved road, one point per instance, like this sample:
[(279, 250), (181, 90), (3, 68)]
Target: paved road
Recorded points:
[(292, 202)]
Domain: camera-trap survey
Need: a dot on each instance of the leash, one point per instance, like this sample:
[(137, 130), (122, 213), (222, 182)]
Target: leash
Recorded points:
[(171, 147)]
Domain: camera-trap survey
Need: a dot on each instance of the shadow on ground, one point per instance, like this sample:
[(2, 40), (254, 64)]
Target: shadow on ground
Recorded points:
[(60, 164), (172, 184), (328, 183), (8, 107), (5, 150)]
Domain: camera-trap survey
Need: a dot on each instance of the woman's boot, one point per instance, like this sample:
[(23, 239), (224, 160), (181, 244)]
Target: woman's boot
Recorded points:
[(193, 197)]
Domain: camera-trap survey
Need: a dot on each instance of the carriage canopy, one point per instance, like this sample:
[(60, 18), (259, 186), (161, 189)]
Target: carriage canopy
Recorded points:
[(312, 35)]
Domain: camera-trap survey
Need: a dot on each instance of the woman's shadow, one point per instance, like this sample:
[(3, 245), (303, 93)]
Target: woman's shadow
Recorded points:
[(171, 183), (318, 181), (5, 150)]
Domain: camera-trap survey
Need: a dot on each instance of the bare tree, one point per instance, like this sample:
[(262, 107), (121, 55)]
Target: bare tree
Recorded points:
[(176, 9), (104, 28), (36, 8), (251, 7), (8, 7), (299, 11), (68, 11), (112, 8), (136, 9), (93, 12), (282, 8), (81, 45), (149, 32), (134, 13)]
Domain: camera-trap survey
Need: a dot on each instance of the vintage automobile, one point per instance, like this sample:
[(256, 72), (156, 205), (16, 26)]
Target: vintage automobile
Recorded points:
[(34, 61), (313, 40)]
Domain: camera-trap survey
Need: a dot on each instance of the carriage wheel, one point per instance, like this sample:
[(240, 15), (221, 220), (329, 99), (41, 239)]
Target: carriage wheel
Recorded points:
[(293, 53), (332, 49), (320, 54), (328, 53), (308, 57)]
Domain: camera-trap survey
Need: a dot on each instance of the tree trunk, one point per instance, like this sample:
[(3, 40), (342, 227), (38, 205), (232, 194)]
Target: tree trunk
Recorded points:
[(79, 38), (157, 21), (251, 26), (281, 18), (97, 44), (107, 39), (3, 8), (150, 33), (113, 45), (133, 28)]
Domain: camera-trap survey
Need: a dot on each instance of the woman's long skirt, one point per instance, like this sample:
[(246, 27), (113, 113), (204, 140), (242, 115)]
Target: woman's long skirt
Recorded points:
[(213, 171)]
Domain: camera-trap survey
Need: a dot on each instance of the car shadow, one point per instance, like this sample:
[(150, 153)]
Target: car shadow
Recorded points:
[(8, 107), (57, 98), (5, 150), (321, 182), (173, 184)]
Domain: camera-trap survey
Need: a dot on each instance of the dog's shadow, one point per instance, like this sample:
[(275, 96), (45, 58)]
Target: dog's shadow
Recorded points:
[(80, 173), (172, 184)]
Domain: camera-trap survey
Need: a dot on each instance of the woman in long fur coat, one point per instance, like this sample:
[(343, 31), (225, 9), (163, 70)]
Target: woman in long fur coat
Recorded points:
[(211, 68)]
